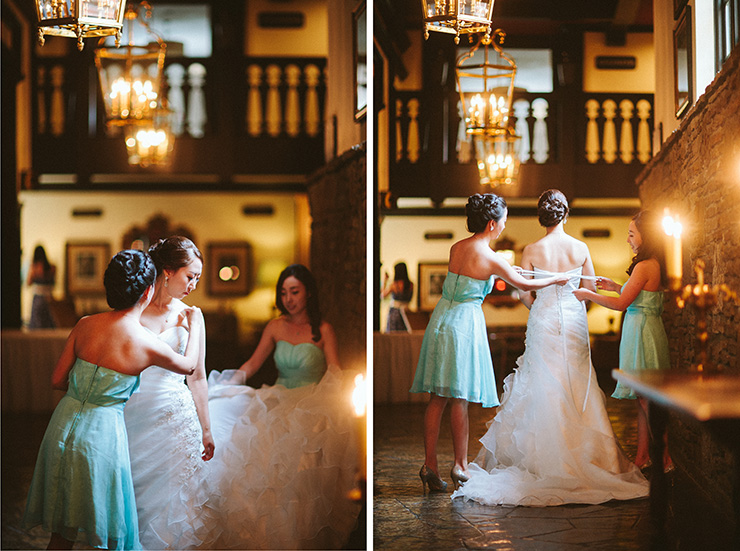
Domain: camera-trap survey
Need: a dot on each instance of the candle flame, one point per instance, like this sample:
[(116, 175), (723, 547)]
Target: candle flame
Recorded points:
[(672, 226), (359, 397)]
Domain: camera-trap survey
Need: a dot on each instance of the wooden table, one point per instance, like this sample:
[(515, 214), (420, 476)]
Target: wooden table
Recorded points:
[(395, 356), (28, 360), (711, 399)]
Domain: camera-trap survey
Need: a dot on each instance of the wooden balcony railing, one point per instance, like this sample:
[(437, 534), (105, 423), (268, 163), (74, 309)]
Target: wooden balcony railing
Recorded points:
[(259, 116), (608, 140)]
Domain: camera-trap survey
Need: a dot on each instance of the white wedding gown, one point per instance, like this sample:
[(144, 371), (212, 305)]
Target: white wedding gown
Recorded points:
[(551, 441), (286, 455), (172, 482)]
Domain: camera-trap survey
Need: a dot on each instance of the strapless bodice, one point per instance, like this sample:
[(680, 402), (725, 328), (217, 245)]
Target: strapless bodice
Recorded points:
[(94, 384), (157, 378), (299, 364), (649, 303), (461, 288)]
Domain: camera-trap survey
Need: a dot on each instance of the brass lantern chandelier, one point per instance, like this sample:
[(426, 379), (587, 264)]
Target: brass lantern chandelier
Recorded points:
[(485, 81), (130, 76), (80, 19), (497, 158), (457, 16), (151, 143)]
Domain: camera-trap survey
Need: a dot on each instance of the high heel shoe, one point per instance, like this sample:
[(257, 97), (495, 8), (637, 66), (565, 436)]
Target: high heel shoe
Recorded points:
[(432, 480), (458, 476)]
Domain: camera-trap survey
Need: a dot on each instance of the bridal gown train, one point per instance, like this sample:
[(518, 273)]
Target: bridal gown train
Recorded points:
[(172, 482), (551, 441), (286, 455)]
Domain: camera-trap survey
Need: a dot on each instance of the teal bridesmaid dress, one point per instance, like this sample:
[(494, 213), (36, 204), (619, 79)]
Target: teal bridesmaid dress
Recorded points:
[(644, 344), (82, 487), (299, 364), (455, 359)]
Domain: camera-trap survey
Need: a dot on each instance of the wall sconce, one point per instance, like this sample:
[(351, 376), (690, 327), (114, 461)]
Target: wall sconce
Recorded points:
[(457, 17), (80, 19), (130, 76)]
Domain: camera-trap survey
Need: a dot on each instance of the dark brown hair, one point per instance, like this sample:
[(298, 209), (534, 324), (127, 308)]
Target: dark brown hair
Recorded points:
[(304, 275), (482, 208), (174, 253), (552, 208), (648, 223)]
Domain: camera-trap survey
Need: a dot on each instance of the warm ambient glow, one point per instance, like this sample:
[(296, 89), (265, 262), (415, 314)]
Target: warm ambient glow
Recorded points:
[(229, 273), (673, 254), (359, 395)]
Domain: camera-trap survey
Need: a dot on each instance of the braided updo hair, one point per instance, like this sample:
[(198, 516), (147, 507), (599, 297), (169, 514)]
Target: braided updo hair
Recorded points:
[(304, 275), (174, 253), (482, 208), (128, 275), (552, 208)]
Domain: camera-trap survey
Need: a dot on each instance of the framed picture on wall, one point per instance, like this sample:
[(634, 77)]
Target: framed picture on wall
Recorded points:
[(431, 279), (682, 54), (229, 268), (85, 265)]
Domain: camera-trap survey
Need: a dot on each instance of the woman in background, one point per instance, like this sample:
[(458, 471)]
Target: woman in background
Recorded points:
[(455, 359), (82, 487), (168, 423), (401, 290), (289, 455), (644, 343), (41, 280)]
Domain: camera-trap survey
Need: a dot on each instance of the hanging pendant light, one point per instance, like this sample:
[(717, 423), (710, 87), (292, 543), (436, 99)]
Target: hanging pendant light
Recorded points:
[(485, 81), (151, 143), (130, 76), (80, 19), (457, 16), (497, 158)]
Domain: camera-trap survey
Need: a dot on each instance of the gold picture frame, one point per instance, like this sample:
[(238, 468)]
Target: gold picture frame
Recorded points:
[(85, 264), (229, 268), (431, 279)]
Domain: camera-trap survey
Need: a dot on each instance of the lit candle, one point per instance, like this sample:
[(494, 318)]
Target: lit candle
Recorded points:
[(673, 255), (359, 403)]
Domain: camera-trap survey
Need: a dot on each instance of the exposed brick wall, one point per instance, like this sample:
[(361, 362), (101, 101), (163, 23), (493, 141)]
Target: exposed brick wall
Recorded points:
[(697, 172), (337, 198)]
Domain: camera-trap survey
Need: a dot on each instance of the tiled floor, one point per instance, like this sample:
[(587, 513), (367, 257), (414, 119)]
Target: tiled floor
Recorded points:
[(405, 519)]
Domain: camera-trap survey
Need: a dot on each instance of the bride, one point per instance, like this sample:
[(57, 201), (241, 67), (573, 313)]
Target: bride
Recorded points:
[(551, 442), (289, 456), (168, 422)]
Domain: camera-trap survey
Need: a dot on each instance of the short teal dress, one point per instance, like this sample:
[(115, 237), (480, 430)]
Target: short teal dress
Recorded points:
[(644, 344), (455, 359), (82, 486)]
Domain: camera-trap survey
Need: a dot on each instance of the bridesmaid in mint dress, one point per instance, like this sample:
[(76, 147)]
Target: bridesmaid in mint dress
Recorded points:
[(289, 454), (455, 360), (644, 344), (82, 487)]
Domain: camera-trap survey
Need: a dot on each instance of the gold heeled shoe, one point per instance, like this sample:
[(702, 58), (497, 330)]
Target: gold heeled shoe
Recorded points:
[(432, 480), (458, 476)]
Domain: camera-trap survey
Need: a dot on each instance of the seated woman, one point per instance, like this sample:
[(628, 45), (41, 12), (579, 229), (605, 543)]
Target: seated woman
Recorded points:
[(288, 452)]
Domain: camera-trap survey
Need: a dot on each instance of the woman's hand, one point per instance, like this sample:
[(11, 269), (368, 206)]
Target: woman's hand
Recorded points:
[(582, 294), (606, 284), (208, 446), (194, 315), (562, 280)]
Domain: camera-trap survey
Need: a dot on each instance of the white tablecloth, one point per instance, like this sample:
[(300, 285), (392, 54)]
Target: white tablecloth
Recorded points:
[(28, 360)]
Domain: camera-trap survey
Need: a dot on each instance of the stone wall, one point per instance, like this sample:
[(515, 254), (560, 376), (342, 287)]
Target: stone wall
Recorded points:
[(337, 196), (697, 174)]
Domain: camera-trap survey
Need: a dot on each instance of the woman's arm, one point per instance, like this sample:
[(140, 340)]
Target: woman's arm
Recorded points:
[(263, 350), (527, 297), (331, 350), (629, 293), (162, 355), (60, 376), (588, 270), (198, 386), (508, 274)]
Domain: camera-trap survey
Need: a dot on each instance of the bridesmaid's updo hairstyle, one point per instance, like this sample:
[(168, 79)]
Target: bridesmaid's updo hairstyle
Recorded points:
[(174, 253), (552, 208), (482, 208), (649, 224), (304, 275), (128, 275)]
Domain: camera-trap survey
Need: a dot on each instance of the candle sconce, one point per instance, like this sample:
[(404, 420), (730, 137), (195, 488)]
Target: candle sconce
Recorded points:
[(702, 297)]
